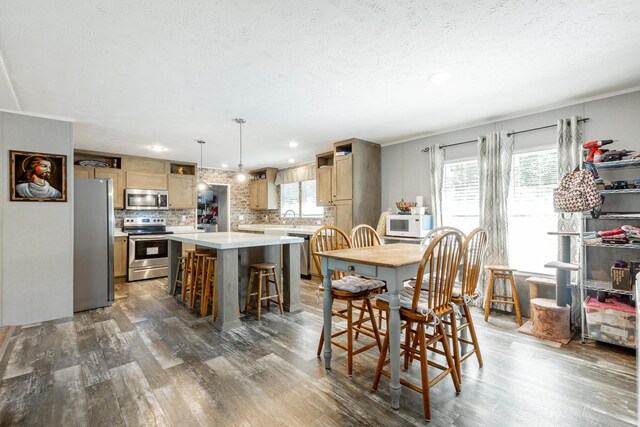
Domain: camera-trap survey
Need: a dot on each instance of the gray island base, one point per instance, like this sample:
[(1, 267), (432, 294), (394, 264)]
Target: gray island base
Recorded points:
[(235, 252)]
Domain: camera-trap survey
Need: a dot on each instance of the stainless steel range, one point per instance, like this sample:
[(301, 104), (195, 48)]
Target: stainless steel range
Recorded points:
[(148, 248)]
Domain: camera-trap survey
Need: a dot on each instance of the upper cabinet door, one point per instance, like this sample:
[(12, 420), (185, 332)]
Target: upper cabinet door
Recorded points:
[(82, 172), (324, 196), (146, 181), (117, 176), (182, 191), (343, 178)]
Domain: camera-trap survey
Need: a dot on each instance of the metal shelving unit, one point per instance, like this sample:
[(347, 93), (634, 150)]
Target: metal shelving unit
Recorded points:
[(623, 191), (612, 245), (598, 285)]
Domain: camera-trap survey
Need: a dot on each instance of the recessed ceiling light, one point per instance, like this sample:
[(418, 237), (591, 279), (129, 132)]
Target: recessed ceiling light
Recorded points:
[(224, 165), (439, 78), (157, 148), (293, 144), (291, 160)]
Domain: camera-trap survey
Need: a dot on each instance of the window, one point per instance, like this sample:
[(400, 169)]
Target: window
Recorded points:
[(534, 175), (308, 200), (460, 195), (290, 198), (300, 197)]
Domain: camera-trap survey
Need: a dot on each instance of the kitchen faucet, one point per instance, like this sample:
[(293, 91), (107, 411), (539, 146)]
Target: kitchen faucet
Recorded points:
[(284, 217)]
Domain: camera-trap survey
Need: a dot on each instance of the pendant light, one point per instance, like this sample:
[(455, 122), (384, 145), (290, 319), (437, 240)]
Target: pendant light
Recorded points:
[(240, 176), (201, 184)]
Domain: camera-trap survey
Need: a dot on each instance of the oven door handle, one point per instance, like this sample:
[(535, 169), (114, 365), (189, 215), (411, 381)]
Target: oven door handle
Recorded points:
[(160, 237)]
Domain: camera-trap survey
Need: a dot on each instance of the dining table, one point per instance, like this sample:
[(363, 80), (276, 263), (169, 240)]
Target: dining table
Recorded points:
[(235, 252), (393, 264)]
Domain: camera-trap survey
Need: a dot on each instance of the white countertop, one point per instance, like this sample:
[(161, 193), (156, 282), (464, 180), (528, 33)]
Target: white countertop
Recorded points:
[(280, 229), (232, 240)]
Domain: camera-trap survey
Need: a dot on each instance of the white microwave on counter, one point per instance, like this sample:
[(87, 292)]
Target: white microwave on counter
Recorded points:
[(408, 225)]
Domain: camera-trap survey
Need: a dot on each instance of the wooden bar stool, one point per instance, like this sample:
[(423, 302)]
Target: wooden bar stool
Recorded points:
[(179, 275), (263, 270), (199, 276), (209, 296), (188, 273), (497, 272)]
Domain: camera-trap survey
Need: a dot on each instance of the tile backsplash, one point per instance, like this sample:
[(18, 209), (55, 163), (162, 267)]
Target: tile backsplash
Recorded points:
[(173, 216), (239, 195)]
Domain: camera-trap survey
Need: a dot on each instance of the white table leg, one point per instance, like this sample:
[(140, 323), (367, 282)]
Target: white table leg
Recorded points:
[(394, 338), (327, 308)]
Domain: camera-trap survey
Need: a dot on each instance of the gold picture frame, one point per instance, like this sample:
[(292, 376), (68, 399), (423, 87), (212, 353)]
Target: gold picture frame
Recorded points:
[(38, 177)]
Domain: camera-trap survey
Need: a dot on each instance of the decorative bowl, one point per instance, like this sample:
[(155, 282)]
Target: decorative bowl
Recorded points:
[(405, 206)]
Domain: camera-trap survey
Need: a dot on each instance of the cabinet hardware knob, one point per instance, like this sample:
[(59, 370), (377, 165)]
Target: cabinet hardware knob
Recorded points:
[(351, 268)]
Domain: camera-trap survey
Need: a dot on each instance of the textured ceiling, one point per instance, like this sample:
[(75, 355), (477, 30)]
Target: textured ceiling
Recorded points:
[(136, 73)]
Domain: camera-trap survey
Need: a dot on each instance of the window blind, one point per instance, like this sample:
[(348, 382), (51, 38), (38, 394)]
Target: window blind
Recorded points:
[(308, 200), (290, 198), (460, 195), (530, 210)]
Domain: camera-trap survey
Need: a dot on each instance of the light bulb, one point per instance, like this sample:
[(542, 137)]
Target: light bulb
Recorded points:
[(241, 177), (202, 186)]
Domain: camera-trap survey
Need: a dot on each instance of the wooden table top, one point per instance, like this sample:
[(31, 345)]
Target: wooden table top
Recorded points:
[(396, 255)]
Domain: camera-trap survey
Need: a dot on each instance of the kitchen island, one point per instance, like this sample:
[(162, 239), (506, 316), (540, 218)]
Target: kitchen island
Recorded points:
[(235, 252)]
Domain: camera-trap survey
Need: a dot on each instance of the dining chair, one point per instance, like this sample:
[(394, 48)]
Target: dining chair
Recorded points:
[(438, 230), (362, 236), (425, 309), (465, 293), (354, 291)]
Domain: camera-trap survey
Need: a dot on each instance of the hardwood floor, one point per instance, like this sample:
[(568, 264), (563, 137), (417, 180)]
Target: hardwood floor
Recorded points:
[(149, 360)]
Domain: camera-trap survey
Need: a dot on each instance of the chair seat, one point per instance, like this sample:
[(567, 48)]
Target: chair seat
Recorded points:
[(263, 265), (355, 284), (406, 300)]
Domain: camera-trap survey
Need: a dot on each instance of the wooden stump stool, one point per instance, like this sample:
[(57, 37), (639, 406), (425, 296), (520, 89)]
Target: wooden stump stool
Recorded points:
[(497, 272), (549, 321)]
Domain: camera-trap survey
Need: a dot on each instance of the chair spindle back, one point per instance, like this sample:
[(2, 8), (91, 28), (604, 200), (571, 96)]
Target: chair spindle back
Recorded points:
[(441, 260), (364, 235), (328, 238)]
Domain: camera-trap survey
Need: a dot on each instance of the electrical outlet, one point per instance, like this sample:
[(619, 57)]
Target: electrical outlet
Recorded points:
[(184, 218), (240, 217), (266, 218), (318, 222)]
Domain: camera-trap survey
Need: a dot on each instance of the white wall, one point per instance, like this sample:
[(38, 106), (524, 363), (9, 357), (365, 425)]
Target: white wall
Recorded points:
[(405, 170), (36, 255)]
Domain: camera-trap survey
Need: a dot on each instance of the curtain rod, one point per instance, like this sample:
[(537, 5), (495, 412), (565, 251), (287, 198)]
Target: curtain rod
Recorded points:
[(426, 149)]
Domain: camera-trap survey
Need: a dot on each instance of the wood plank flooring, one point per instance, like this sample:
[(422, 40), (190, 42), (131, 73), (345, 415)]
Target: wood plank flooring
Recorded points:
[(149, 360)]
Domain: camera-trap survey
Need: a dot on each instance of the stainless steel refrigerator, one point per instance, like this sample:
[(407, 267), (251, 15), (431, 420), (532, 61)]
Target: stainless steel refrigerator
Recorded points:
[(93, 244)]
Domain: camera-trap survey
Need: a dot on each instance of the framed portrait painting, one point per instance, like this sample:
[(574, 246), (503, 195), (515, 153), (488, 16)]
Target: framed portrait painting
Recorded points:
[(38, 177)]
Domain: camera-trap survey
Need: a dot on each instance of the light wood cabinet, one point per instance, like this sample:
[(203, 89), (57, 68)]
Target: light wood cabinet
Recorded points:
[(259, 195), (82, 172), (262, 191), (182, 191), (355, 182), (344, 215), (117, 176), (147, 181), (324, 188), (343, 178), (120, 256), (146, 165)]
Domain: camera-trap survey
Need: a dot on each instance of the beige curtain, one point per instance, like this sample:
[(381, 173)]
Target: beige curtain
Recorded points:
[(306, 172)]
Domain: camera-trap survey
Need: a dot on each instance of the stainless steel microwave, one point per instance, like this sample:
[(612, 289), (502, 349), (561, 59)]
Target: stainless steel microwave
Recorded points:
[(408, 225), (146, 199)]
